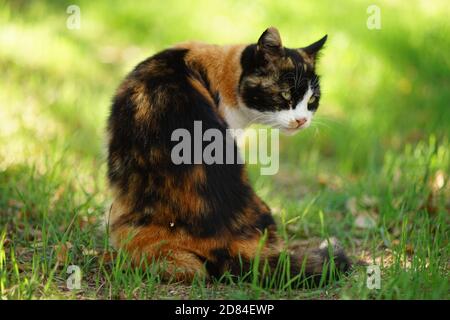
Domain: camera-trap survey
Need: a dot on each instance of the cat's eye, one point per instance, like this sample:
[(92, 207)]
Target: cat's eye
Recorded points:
[(312, 99), (286, 95)]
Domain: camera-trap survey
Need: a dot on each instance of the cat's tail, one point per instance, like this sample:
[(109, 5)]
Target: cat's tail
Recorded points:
[(320, 265), (302, 265)]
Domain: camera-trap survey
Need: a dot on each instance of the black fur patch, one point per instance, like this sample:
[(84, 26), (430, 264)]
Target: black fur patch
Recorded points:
[(261, 95)]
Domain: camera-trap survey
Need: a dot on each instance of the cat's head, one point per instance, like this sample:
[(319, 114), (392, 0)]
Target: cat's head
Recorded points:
[(278, 85)]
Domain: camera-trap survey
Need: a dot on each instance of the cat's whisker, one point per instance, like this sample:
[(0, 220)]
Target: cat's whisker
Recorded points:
[(261, 116), (328, 120), (317, 124)]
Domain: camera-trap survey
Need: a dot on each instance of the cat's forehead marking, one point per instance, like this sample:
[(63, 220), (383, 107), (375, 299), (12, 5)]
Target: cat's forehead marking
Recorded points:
[(286, 63), (298, 60), (308, 60), (263, 81)]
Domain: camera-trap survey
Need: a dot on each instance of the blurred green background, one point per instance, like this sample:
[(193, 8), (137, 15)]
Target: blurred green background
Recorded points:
[(381, 131), (381, 88)]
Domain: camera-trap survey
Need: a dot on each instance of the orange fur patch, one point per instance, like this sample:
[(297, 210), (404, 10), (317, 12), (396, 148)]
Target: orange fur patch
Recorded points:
[(222, 65)]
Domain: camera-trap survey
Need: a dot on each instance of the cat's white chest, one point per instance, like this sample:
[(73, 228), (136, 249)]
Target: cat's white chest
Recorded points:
[(235, 117)]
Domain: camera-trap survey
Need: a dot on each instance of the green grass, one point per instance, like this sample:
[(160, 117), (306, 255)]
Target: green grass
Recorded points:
[(373, 171)]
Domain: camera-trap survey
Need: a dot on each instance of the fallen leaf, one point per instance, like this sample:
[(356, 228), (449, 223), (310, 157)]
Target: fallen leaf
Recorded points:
[(365, 221), (352, 206), (333, 182), (20, 226), (62, 251), (322, 180), (57, 196), (86, 221), (369, 201), (89, 252), (409, 249), (438, 181), (22, 267), (34, 234), (36, 245), (396, 203), (21, 251), (430, 205), (20, 215), (15, 204), (107, 256), (6, 243)]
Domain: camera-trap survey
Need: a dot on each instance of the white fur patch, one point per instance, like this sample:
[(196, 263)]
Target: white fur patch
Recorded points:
[(286, 119), (236, 117)]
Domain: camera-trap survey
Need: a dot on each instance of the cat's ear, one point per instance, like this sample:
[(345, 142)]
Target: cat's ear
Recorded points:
[(269, 44), (310, 53)]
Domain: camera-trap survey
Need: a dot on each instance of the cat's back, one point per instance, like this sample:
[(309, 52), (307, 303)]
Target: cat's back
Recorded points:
[(168, 91), (174, 78)]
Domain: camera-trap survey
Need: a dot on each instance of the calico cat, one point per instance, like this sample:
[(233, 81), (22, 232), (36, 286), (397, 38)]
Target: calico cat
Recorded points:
[(205, 219)]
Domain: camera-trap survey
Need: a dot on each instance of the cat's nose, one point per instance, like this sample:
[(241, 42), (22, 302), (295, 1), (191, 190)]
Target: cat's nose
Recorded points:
[(300, 122)]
